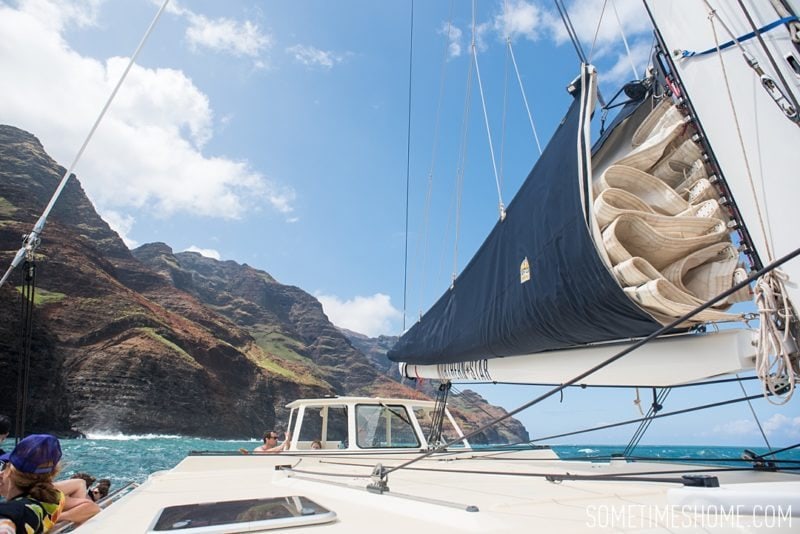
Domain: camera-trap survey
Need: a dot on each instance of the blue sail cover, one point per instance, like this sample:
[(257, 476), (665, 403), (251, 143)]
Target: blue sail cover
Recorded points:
[(570, 298)]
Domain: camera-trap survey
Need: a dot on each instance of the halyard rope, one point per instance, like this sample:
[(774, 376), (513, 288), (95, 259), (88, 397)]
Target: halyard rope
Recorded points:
[(770, 291)]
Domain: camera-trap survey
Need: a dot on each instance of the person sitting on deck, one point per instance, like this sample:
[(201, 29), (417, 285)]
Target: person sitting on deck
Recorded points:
[(271, 442), (79, 505), (100, 491), (316, 444), (26, 481)]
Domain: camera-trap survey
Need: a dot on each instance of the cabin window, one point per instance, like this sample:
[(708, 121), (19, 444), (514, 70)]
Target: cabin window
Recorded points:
[(425, 419), (241, 516), (324, 423), (384, 426)]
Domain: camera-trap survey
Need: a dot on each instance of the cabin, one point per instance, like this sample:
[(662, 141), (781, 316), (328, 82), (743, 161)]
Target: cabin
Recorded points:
[(370, 423)]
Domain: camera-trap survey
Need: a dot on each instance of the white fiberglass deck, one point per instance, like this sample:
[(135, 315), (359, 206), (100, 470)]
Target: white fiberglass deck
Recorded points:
[(437, 493)]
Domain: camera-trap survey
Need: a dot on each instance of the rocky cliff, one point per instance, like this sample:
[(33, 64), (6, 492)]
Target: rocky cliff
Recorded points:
[(157, 341)]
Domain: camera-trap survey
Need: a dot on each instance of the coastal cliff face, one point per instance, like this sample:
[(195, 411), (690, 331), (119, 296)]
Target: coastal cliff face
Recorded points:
[(152, 341)]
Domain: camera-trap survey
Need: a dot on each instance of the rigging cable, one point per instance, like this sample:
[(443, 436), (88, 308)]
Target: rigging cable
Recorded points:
[(501, 206), (429, 191), (28, 292), (457, 391), (31, 241), (524, 98), (597, 29), (666, 328), (505, 116), (656, 416), (772, 453), (408, 161), (625, 40), (787, 90), (646, 422), (753, 411), (462, 158), (562, 10), (790, 109)]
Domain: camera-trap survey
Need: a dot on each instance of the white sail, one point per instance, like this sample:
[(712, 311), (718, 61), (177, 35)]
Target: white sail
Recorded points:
[(753, 139)]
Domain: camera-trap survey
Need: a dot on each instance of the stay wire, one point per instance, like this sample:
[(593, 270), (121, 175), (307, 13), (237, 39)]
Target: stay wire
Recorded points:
[(31, 241), (666, 328), (524, 98), (656, 416), (644, 426), (755, 416), (625, 40), (772, 453), (408, 162), (643, 476), (474, 48), (597, 29), (461, 167), (562, 10), (425, 231), (28, 293)]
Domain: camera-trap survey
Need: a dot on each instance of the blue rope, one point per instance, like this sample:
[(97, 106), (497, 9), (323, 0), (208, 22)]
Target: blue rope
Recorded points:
[(745, 37)]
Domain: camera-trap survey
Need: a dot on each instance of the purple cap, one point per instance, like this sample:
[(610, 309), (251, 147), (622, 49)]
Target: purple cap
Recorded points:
[(37, 454)]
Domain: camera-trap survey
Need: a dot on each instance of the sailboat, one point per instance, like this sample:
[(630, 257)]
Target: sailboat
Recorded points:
[(619, 262)]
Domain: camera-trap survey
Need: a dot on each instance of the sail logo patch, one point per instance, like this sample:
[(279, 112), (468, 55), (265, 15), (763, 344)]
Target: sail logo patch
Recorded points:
[(524, 271)]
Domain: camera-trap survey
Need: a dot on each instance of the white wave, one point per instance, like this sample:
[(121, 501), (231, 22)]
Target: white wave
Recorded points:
[(588, 451), (118, 436)]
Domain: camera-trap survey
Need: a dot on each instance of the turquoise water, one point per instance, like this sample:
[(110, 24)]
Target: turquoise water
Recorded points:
[(133, 458)]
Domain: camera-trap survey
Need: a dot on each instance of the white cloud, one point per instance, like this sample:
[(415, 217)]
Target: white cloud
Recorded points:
[(222, 34), (622, 70), (312, 56), (371, 316), (738, 427), (779, 424), (207, 252), (122, 224), (147, 152), (585, 15), (520, 19), (282, 199), (226, 35), (78, 13), (453, 35)]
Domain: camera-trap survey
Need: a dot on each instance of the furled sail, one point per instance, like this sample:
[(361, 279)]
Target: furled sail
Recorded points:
[(538, 282)]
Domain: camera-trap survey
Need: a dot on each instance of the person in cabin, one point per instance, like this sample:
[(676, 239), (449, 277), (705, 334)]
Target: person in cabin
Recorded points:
[(316, 444), (271, 442), (5, 428), (33, 504)]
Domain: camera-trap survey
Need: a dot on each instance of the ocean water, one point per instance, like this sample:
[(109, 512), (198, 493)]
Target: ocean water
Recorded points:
[(124, 459)]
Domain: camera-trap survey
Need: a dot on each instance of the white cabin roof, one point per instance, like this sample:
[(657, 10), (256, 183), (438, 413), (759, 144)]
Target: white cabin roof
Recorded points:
[(338, 401)]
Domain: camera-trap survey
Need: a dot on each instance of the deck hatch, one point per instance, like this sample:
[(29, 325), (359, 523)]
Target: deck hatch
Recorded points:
[(247, 515)]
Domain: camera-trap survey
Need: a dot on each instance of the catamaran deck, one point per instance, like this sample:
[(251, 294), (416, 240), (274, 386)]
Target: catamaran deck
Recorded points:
[(467, 492)]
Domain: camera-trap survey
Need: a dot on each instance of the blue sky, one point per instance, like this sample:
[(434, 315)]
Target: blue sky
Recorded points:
[(274, 134)]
